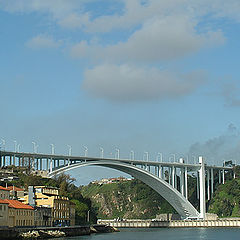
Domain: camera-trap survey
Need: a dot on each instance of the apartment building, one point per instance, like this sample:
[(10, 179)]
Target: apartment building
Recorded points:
[(16, 193), (4, 193), (3, 213), (19, 214), (62, 210)]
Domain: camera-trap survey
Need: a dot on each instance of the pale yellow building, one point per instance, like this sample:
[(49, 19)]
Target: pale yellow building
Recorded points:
[(19, 214), (63, 211), (3, 213), (4, 193)]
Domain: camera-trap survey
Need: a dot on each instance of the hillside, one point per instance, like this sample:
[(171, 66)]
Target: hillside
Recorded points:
[(226, 200), (128, 199), (134, 199)]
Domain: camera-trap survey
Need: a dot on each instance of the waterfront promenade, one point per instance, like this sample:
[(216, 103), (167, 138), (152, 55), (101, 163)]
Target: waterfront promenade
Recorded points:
[(51, 232), (137, 223)]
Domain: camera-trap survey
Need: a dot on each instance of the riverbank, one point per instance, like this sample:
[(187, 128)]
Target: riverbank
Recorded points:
[(137, 223), (53, 232)]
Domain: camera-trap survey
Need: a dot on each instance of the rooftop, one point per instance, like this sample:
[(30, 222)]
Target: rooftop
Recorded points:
[(3, 188), (18, 205), (14, 188)]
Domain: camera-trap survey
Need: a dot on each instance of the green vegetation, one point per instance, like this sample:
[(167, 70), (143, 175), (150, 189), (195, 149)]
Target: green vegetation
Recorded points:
[(127, 199)]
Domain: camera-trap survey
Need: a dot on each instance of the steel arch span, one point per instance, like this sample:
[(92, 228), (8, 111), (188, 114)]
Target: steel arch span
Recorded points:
[(173, 196)]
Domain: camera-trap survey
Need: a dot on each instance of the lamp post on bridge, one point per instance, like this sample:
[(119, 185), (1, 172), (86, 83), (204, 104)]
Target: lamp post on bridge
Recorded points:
[(34, 147), (194, 159), (18, 147), (117, 153), (15, 146), (101, 152), (174, 157), (3, 144), (69, 150), (132, 155), (52, 148), (86, 151), (147, 156), (161, 157)]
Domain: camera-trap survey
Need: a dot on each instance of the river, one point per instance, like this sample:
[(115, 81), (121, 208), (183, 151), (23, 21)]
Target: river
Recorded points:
[(166, 234)]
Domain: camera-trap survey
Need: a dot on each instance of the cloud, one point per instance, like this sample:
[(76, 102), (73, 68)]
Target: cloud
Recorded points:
[(42, 41), (125, 83), (158, 40), (225, 146), (127, 14), (231, 95)]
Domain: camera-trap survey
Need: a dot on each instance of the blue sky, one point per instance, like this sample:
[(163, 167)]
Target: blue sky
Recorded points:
[(152, 75)]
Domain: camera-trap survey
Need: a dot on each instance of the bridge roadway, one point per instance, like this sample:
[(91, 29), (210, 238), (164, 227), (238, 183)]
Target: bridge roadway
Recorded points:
[(74, 159), (152, 173)]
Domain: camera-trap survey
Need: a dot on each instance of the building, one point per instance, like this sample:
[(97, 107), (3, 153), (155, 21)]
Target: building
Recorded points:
[(16, 193), (4, 193), (42, 216), (72, 209), (62, 210), (3, 213), (19, 214)]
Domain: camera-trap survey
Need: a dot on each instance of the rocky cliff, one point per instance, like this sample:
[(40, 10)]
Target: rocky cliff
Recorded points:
[(125, 199)]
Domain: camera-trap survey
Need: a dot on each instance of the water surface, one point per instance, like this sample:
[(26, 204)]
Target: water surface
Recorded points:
[(166, 233)]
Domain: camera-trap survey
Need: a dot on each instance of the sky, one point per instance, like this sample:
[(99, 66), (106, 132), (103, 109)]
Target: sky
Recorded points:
[(143, 75)]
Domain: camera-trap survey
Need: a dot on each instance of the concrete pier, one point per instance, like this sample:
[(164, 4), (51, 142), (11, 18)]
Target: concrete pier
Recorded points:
[(137, 223)]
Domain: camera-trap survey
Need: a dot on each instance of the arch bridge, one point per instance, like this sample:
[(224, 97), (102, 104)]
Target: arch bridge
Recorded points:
[(152, 173)]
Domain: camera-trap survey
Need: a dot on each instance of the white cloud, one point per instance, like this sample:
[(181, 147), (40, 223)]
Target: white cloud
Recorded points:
[(159, 39), (73, 13), (125, 83), (42, 41)]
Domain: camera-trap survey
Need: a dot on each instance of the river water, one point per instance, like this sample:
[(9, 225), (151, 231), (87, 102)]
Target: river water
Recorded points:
[(166, 234)]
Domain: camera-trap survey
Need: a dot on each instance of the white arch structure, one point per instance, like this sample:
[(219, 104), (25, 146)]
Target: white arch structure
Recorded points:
[(172, 195), (140, 169)]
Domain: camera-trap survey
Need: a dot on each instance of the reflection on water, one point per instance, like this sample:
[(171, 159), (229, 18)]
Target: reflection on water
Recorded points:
[(166, 233)]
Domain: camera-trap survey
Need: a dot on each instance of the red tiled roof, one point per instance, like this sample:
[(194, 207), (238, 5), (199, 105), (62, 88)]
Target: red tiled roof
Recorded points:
[(17, 204), (3, 188), (3, 201), (14, 188)]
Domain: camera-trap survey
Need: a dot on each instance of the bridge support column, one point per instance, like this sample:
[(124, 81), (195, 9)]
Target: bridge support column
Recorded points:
[(14, 160), (160, 171), (198, 185), (47, 164), (4, 160), (186, 183), (41, 164), (51, 166), (219, 176), (208, 184), (36, 163), (173, 176), (182, 181), (212, 181), (181, 177), (202, 188), (223, 176)]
